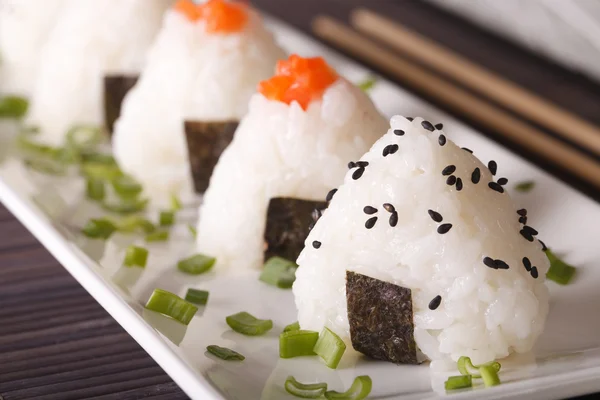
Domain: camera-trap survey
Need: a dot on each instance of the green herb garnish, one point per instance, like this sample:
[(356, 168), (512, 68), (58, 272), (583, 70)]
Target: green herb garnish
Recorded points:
[(126, 187), (197, 296), (84, 137), (524, 186), (279, 272), (13, 107), (95, 189), (193, 231), (135, 223), (158, 236), (46, 166), (166, 218), (559, 272), (489, 375), (367, 84), (466, 367), (171, 305), (297, 343), (196, 264), (98, 170), (247, 324), (224, 353), (101, 228), (330, 348), (292, 327), (135, 257), (175, 203), (98, 158), (458, 382), (304, 390), (360, 389), (126, 206)]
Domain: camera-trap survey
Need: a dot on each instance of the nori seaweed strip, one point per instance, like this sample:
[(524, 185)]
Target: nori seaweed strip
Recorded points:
[(381, 319), (205, 142), (288, 224), (116, 88)]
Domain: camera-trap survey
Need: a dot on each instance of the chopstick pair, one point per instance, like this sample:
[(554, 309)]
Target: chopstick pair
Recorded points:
[(460, 100)]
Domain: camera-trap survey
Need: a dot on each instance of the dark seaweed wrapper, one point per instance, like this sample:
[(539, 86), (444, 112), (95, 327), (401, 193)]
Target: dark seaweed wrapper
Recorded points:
[(381, 319), (206, 141), (116, 88), (288, 222)]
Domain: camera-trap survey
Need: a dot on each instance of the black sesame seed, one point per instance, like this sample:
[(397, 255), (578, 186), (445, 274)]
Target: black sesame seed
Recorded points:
[(398, 132), (390, 149), (409, 118), (527, 263), (439, 126), (358, 173), (467, 149), (449, 170), (389, 207), (316, 244), (330, 194), (444, 228), (442, 140), (370, 222), (496, 187), (544, 248), (522, 212), (493, 167), (394, 219), (526, 235), (534, 272), (362, 164), (459, 184), (530, 230), (385, 151), (502, 181), (427, 125), (435, 303), (501, 264), (451, 180), (523, 220), (476, 175), (489, 262), (437, 217), (369, 210), (351, 165)]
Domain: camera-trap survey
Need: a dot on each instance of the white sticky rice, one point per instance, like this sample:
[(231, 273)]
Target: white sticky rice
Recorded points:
[(280, 150), (193, 75), (485, 313), (24, 28), (91, 39)]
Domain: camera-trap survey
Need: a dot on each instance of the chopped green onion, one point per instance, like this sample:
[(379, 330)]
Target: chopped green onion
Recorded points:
[(489, 375), (367, 84), (197, 296), (297, 343), (158, 236), (175, 203), (279, 272), (304, 390), (466, 367), (84, 136), (330, 347), (126, 206), (171, 305), (196, 264), (13, 107), (46, 166), (559, 272), (98, 170), (224, 353), (292, 327), (193, 231), (458, 382), (24, 143), (360, 389), (95, 189), (248, 324), (524, 186), (134, 223), (135, 257), (166, 218), (99, 228), (98, 158), (126, 187)]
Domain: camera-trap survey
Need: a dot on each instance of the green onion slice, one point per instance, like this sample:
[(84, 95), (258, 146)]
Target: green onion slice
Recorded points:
[(367, 84), (330, 347), (98, 170), (224, 353), (46, 166), (175, 203), (166, 218), (158, 236), (489, 375), (196, 264), (171, 305), (135, 223), (84, 136), (13, 107), (279, 272), (524, 186), (559, 272), (126, 206), (197, 296), (297, 343), (247, 324), (360, 389), (193, 231), (295, 326), (304, 390), (93, 157), (95, 189), (135, 257), (126, 187), (101, 228), (458, 382), (24, 143), (466, 367)]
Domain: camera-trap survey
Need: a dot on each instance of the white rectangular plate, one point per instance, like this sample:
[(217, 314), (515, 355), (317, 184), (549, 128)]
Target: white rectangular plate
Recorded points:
[(565, 362)]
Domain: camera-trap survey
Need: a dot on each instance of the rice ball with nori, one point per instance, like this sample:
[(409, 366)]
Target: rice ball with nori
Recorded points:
[(427, 216), (295, 142)]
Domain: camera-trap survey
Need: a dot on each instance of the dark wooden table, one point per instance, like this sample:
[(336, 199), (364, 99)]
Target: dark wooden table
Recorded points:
[(56, 342)]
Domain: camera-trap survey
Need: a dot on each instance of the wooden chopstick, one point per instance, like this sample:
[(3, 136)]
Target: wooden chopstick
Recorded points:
[(451, 64), (458, 99)]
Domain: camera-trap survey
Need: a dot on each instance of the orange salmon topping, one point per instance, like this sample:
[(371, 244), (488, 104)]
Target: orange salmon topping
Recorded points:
[(220, 16), (299, 79)]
